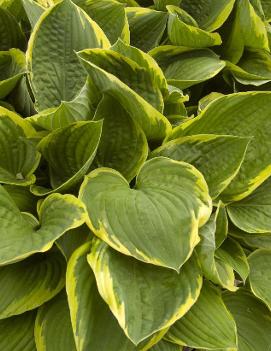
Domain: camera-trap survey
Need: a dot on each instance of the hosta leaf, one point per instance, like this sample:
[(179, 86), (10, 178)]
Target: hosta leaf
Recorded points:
[(233, 254), (260, 275), (14, 7), (81, 108), (266, 5), (254, 68), (214, 269), (188, 68), (33, 11), (94, 326), (72, 239), (18, 155), (210, 14), (252, 318), (53, 330), (147, 27), (21, 237), (55, 72), (160, 296), (208, 324), (252, 214), (238, 114), (122, 139), (164, 345), (153, 123), (69, 152), (110, 16), (206, 100), (31, 282), (127, 71), (157, 222), (246, 30), (17, 333), (183, 34), (23, 198), (11, 35), (222, 225), (144, 61), (162, 4), (217, 157), (12, 68)]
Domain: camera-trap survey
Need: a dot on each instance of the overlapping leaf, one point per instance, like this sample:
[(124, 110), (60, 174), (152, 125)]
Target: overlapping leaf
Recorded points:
[(157, 222)]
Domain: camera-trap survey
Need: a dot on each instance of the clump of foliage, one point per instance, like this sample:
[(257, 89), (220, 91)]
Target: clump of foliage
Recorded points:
[(135, 164)]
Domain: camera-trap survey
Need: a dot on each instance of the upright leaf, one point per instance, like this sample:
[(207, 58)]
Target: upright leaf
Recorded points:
[(55, 72)]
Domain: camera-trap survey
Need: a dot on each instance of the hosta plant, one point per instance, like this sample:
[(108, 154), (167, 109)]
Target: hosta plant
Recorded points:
[(135, 171)]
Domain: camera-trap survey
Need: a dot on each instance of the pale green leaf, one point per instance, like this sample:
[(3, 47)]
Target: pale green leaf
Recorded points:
[(23, 198), (33, 11), (160, 296), (157, 222)]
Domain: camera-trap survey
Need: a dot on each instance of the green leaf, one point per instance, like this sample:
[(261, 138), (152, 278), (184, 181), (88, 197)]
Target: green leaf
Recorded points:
[(22, 236), (213, 268), (11, 35), (53, 330), (217, 157), (246, 29), (266, 5), (55, 72), (147, 27), (164, 345), (238, 114), (23, 198), (252, 214), (260, 275), (157, 222), (12, 68), (122, 139), (18, 155), (72, 239), (69, 152), (252, 318), (253, 68), (253, 241), (31, 282), (208, 324), (161, 5), (89, 313), (210, 14), (81, 108), (160, 296), (188, 68), (221, 231), (102, 65), (33, 11), (183, 34), (110, 16), (17, 333), (233, 254)]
